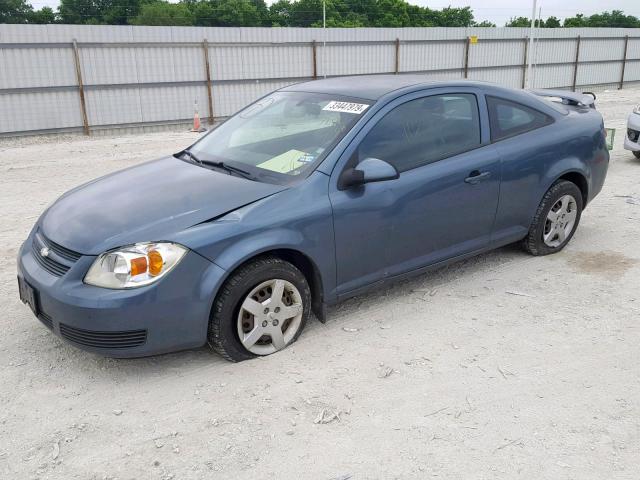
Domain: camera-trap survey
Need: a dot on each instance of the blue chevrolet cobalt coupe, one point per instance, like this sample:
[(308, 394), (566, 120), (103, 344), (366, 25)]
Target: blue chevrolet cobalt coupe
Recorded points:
[(314, 193)]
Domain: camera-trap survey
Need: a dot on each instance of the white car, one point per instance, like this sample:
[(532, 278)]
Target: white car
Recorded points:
[(632, 138)]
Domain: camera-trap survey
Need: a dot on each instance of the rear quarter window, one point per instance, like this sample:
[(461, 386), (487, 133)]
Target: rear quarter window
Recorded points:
[(509, 118)]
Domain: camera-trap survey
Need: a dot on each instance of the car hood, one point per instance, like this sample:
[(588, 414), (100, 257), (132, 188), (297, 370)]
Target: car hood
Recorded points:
[(146, 203)]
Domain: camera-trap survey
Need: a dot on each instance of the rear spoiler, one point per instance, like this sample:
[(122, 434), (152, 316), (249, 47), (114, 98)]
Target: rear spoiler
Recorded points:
[(585, 99)]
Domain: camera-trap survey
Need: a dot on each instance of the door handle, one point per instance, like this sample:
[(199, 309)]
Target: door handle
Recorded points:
[(476, 176)]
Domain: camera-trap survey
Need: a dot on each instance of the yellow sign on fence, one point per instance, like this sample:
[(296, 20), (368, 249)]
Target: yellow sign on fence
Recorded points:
[(473, 39)]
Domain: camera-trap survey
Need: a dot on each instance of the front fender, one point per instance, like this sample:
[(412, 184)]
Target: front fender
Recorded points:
[(229, 255), (235, 255), (297, 219)]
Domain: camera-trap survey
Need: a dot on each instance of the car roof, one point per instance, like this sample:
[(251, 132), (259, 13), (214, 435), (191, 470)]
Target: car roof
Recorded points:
[(373, 87)]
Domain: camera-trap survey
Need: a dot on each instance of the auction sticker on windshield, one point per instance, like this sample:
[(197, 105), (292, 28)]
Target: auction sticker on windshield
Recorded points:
[(345, 107), (286, 162)]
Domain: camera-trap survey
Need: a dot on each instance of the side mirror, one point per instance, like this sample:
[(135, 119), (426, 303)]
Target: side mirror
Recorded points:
[(367, 171)]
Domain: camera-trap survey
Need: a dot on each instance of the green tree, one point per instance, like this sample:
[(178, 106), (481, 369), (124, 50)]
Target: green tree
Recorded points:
[(164, 13), (43, 16), (236, 13), (351, 21), (15, 11), (95, 12), (306, 13), (204, 13), (263, 12), (119, 12), (280, 13), (484, 23), (361, 13), (613, 19), (456, 17), (577, 22), (79, 11), (422, 16), (539, 23), (393, 13), (518, 22), (552, 22), (229, 13), (293, 13)]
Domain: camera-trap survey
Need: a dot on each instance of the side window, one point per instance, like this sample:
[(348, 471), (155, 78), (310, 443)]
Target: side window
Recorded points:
[(423, 131), (510, 118)]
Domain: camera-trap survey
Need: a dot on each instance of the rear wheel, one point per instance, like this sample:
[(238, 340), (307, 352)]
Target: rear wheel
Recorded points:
[(262, 308), (637, 154), (556, 219)]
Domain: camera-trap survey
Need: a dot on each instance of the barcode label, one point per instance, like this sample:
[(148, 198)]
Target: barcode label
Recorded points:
[(346, 107)]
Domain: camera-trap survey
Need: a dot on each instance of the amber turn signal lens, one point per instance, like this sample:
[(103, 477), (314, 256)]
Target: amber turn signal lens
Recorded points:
[(138, 266), (156, 262)]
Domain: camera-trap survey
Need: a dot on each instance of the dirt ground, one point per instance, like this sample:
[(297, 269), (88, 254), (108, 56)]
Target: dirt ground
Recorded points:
[(502, 366)]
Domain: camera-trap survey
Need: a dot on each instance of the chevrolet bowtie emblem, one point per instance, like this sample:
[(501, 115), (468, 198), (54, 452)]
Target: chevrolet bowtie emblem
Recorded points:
[(44, 251)]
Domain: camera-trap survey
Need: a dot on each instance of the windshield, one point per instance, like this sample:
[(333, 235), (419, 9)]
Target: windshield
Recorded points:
[(282, 136)]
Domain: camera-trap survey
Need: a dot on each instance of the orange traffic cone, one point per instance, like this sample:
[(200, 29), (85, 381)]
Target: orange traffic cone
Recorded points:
[(197, 126)]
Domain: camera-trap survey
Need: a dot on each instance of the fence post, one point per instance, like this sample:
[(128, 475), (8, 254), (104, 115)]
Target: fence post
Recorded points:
[(624, 61), (397, 69), (83, 104), (524, 62), (576, 63), (205, 49), (315, 59), (466, 57)]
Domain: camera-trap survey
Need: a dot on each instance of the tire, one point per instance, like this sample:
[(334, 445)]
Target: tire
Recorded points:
[(253, 287), (542, 239), (637, 154)]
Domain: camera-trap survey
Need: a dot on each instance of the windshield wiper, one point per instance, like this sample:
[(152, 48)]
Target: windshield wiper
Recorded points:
[(192, 156), (221, 165), (227, 167)]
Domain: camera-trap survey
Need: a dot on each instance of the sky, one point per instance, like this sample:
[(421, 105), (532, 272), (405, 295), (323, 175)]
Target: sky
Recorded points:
[(500, 11)]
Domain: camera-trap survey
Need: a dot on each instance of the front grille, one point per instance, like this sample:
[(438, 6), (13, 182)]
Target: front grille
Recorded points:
[(58, 249), (48, 263), (58, 261), (96, 339), (633, 135), (46, 319)]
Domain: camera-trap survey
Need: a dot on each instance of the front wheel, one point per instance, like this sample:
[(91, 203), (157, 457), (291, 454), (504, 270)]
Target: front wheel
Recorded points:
[(556, 219), (262, 308), (637, 154)]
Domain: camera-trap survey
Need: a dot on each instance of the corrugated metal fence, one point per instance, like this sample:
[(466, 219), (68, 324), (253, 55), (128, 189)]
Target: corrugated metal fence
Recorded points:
[(57, 78)]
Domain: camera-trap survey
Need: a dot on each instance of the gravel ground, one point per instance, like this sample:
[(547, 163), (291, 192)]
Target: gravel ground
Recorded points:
[(502, 366)]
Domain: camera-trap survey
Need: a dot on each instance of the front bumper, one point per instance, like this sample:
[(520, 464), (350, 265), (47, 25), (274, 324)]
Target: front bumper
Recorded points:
[(632, 134), (170, 315)]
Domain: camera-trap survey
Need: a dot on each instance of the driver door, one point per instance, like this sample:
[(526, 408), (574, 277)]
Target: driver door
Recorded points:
[(443, 203)]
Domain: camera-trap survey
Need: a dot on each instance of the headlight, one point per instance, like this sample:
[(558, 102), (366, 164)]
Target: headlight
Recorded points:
[(135, 265), (636, 109)]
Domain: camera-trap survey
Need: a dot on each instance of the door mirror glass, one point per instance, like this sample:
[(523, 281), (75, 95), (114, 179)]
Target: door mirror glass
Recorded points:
[(367, 171)]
